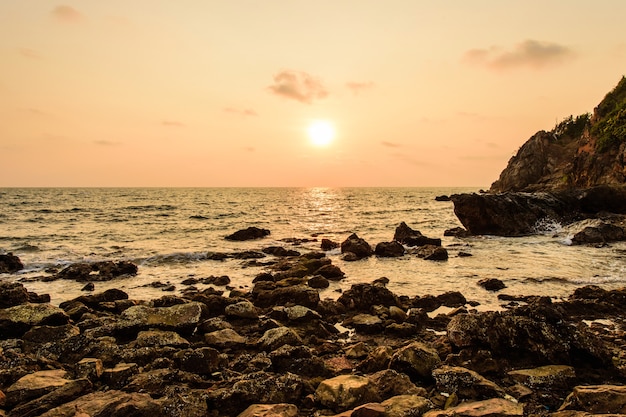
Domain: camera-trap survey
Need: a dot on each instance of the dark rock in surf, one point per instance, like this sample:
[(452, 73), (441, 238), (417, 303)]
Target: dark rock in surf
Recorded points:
[(98, 271), (442, 198), (12, 294), (328, 244), (433, 253), (362, 297), (491, 284), (457, 232), (280, 251), (331, 272), (318, 281), (407, 236), (392, 249), (356, 245), (248, 234), (10, 263), (599, 232)]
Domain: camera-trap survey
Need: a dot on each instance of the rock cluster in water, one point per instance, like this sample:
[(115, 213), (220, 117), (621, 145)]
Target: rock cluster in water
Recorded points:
[(279, 350)]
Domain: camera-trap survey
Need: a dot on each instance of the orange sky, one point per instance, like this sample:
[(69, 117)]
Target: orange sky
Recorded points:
[(222, 93)]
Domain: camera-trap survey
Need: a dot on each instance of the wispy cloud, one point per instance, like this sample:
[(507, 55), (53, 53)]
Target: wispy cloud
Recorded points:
[(172, 123), (106, 143), (33, 111), (67, 14), (357, 87), (29, 53), (240, 112), (390, 144), (529, 53), (299, 86), (409, 160)]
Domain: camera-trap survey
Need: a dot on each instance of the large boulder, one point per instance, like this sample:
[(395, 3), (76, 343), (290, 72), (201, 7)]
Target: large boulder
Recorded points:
[(466, 384), (547, 377), (97, 271), (405, 235), (597, 231), (12, 294), (266, 294), (344, 392), (248, 234), (406, 405), (391, 249), (182, 318), (416, 360), (17, 320), (597, 399), (495, 407), (10, 263), (35, 385), (111, 403), (362, 297), (357, 246)]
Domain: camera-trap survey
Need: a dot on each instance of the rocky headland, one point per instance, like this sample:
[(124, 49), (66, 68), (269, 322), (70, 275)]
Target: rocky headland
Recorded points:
[(576, 171)]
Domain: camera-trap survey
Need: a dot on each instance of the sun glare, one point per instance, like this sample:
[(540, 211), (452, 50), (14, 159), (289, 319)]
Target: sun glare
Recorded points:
[(321, 132)]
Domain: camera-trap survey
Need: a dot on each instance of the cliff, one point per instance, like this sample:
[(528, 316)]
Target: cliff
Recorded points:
[(580, 152)]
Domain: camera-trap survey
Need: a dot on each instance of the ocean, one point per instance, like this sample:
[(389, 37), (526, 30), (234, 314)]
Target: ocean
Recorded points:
[(168, 233)]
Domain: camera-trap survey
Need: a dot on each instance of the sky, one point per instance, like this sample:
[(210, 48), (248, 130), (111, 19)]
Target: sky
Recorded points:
[(208, 93)]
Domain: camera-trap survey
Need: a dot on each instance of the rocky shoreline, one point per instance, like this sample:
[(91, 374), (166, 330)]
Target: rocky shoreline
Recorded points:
[(279, 350)]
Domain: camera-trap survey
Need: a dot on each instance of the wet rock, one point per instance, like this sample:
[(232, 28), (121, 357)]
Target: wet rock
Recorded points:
[(243, 309), (295, 314), (362, 297), (10, 263), (391, 249), (356, 245), (599, 232), (90, 286), (397, 314), (451, 299), (248, 234), (61, 395), (406, 405), (94, 300), (12, 294), (466, 384), (365, 324), (256, 388), (280, 251), (270, 410), (597, 399), (40, 335), (416, 360), (318, 282), (487, 408), (17, 320), (225, 338), (330, 272), (272, 339), (407, 236), (345, 392), (491, 284), (298, 360), (35, 385), (98, 271), (201, 361), (119, 376), (160, 338), (442, 198), (390, 383), (182, 318), (432, 253), (111, 403), (328, 245), (545, 377), (457, 232), (295, 294), (220, 281)]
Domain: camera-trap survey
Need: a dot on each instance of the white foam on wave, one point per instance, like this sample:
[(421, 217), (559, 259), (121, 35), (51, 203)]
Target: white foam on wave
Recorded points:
[(547, 226)]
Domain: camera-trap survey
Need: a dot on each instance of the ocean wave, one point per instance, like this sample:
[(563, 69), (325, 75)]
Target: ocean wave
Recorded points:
[(151, 207)]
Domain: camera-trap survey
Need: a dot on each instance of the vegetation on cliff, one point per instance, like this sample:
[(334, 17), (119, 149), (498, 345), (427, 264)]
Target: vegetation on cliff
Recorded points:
[(610, 126)]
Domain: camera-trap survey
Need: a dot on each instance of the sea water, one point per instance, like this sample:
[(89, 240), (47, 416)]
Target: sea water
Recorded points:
[(168, 233)]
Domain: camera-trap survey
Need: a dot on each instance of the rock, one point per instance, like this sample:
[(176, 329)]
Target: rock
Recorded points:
[(10, 263), (597, 399), (272, 339), (270, 410), (35, 385), (546, 377), (407, 236), (40, 335), (243, 309), (61, 395), (365, 324), (182, 318), (90, 368), (344, 392), (599, 231), (416, 360), (220, 281), (160, 338), (358, 246), (457, 232), (111, 403), (406, 405), (465, 383), (391, 249), (377, 360), (17, 320), (295, 294), (491, 284), (248, 234), (299, 314), (98, 271), (432, 253), (201, 361), (366, 410), (298, 360), (362, 297), (397, 314), (318, 282), (225, 338), (495, 407), (442, 198), (12, 294), (280, 251), (331, 272), (390, 383), (119, 376), (451, 299), (256, 388), (328, 245)]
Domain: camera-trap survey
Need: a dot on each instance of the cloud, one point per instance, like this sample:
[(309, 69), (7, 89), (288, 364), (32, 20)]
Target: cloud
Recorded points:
[(357, 87), (67, 14), (106, 143), (530, 53), (299, 86), (31, 111), (409, 160), (172, 123), (249, 149), (390, 144), (241, 112), (29, 53)]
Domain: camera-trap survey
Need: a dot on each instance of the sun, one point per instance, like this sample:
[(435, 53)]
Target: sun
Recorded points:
[(321, 132)]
